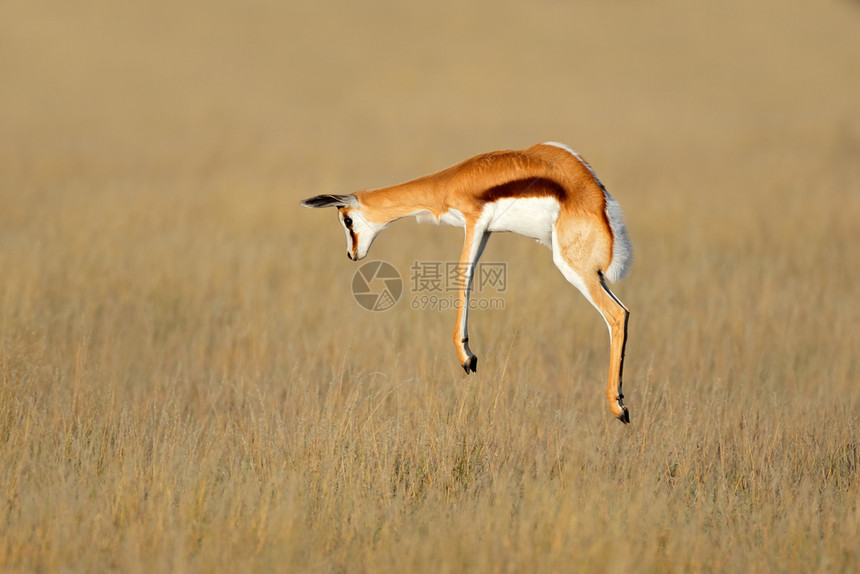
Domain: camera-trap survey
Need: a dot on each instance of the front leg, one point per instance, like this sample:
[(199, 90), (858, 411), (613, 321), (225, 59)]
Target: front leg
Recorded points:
[(473, 246)]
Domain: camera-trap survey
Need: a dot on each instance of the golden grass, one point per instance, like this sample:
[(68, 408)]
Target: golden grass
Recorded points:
[(187, 385)]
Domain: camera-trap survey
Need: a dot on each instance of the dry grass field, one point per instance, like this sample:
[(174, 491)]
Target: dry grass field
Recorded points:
[(187, 385)]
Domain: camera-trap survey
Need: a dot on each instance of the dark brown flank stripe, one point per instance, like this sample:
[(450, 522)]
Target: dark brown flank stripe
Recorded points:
[(527, 187), (544, 187)]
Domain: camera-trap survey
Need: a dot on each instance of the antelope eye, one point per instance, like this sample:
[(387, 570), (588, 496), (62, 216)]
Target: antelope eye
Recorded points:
[(347, 221)]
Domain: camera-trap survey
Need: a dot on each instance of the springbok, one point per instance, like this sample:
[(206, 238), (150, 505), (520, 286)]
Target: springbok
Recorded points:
[(546, 192)]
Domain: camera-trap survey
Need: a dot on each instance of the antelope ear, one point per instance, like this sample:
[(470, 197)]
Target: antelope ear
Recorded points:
[(330, 200)]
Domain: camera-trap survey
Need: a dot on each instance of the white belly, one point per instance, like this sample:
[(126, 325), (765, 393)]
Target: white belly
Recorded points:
[(530, 216)]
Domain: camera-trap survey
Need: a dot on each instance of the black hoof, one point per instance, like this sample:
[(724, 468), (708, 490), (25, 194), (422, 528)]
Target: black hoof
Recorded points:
[(625, 415), (471, 365)]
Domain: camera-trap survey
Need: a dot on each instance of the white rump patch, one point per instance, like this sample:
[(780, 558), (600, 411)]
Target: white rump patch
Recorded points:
[(622, 248)]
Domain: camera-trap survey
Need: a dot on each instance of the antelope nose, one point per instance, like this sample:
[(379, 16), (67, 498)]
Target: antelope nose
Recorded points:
[(349, 255)]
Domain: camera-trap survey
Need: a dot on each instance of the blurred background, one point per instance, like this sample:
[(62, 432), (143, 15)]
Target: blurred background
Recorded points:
[(372, 92)]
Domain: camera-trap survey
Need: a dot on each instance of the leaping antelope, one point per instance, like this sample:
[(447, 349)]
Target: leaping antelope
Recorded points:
[(546, 192)]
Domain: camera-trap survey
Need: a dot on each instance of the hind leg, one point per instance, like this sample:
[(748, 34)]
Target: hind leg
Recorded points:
[(588, 278), (617, 316)]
